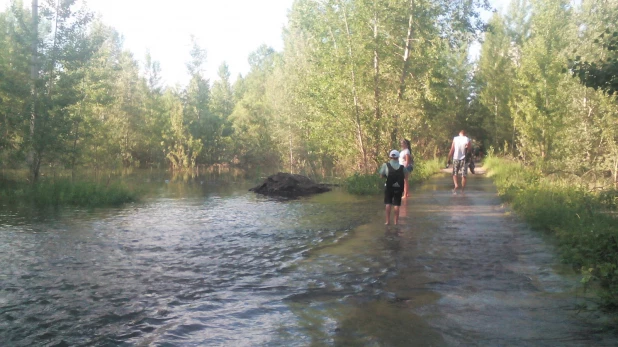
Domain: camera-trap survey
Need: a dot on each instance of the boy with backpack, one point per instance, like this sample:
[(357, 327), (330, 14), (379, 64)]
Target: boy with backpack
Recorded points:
[(393, 188)]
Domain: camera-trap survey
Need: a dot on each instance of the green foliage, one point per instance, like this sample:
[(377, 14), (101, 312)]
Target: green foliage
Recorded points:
[(600, 74), (424, 169), (353, 96), (529, 106), (253, 119), (354, 78), (365, 184), (495, 81), (90, 107), (511, 177), (580, 220), (64, 192), (538, 107)]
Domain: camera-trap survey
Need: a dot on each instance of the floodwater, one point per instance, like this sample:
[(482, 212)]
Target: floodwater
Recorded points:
[(211, 264)]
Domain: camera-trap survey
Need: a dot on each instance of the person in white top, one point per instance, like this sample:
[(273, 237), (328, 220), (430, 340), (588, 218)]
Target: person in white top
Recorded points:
[(460, 148), (405, 160)]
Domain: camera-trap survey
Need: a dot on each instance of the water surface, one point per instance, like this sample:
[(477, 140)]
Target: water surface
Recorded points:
[(207, 263)]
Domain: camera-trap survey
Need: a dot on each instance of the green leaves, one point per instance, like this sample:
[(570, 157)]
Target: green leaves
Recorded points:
[(577, 218)]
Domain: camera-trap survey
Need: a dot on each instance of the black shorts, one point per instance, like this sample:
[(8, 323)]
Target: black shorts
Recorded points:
[(392, 196)]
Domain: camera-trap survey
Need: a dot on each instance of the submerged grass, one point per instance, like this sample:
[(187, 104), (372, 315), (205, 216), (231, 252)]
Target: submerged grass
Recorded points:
[(60, 192), (582, 221), (366, 184)]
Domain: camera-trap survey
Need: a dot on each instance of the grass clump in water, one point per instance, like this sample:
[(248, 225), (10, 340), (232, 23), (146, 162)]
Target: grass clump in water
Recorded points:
[(64, 192), (366, 184), (581, 220)]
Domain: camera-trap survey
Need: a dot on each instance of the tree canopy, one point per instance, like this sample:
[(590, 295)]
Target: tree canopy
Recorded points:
[(354, 77)]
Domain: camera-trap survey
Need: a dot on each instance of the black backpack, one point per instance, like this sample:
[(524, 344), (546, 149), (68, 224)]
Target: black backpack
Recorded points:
[(395, 178)]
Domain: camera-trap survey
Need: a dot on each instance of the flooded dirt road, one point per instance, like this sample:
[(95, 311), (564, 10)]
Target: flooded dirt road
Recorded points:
[(499, 283), (215, 265), (462, 271)]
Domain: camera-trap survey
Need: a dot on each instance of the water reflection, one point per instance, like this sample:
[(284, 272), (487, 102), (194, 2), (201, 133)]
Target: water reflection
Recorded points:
[(194, 263)]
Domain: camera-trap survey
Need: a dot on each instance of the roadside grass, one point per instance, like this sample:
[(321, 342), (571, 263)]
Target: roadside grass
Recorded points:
[(581, 220), (367, 184), (62, 191)]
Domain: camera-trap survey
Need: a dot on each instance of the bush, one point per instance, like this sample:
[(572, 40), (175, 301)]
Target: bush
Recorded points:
[(587, 234), (365, 184), (425, 169)]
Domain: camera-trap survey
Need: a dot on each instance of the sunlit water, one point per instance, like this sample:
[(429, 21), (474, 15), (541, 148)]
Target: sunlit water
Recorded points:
[(215, 267), (207, 263)]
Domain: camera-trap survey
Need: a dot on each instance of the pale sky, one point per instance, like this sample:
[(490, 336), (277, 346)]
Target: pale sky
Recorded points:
[(229, 30)]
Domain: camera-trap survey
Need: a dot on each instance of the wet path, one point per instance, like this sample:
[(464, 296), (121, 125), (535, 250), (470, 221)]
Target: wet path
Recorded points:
[(496, 282), (458, 271)]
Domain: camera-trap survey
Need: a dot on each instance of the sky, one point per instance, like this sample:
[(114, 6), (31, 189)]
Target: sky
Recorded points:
[(229, 30)]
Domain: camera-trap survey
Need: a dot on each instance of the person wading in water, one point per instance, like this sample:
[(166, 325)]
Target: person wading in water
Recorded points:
[(460, 148), (393, 188), (405, 159)]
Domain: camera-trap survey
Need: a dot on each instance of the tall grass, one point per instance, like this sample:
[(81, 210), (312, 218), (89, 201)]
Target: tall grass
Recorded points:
[(581, 220), (366, 184), (64, 192)]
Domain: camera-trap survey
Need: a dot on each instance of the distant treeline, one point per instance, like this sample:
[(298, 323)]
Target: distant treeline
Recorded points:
[(353, 78)]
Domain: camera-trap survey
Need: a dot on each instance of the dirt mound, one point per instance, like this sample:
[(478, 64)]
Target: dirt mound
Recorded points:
[(289, 185)]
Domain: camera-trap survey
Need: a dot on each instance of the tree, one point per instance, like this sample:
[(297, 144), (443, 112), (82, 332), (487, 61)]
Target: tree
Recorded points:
[(596, 67), (538, 108), (198, 119), (154, 119), (222, 106), (495, 75), (15, 84), (252, 116), (34, 155)]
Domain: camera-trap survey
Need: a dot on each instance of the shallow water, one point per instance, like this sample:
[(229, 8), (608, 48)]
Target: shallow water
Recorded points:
[(207, 263), (212, 265)]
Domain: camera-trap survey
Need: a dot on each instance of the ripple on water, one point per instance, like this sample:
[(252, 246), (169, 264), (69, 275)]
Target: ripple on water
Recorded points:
[(206, 270)]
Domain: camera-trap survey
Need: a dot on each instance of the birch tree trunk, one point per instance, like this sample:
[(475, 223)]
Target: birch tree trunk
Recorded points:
[(33, 156), (376, 84), (404, 69), (359, 129)]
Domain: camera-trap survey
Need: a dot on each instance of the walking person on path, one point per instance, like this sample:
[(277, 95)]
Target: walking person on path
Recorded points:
[(459, 149), (405, 159), (393, 188)]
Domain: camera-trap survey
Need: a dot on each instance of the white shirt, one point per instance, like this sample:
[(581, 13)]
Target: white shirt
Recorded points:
[(402, 156), (460, 143)]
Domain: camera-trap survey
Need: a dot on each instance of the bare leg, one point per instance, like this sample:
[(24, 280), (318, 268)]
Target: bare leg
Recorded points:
[(405, 186), (388, 214), (463, 183), (455, 182), (396, 215)]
